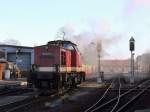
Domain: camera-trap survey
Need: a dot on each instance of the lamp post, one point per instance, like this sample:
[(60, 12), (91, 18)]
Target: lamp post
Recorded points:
[(15, 66), (16, 56), (5, 53), (131, 47), (99, 49)]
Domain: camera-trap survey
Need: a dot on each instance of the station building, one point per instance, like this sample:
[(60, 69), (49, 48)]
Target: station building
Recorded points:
[(115, 66), (22, 56), (143, 63)]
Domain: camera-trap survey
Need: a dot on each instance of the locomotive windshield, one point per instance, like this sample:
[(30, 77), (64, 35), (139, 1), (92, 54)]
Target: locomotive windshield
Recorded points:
[(70, 46), (66, 44)]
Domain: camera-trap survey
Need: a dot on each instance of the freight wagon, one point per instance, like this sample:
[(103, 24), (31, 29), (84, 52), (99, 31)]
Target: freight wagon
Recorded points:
[(57, 65)]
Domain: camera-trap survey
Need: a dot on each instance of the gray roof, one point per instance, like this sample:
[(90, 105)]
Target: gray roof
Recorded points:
[(15, 46)]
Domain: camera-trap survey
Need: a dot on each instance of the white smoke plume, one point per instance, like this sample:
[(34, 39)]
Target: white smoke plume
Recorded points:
[(65, 31), (87, 44), (96, 31)]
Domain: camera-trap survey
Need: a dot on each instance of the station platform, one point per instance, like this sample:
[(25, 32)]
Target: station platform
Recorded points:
[(12, 83)]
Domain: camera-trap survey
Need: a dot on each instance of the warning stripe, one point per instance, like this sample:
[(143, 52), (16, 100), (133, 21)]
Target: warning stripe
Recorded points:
[(62, 69)]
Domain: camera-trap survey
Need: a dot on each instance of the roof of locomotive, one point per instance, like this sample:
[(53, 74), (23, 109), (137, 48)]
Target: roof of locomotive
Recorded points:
[(61, 42)]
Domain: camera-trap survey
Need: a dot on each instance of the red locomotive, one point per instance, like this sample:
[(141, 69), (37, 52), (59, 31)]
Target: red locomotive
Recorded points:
[(57, 64)]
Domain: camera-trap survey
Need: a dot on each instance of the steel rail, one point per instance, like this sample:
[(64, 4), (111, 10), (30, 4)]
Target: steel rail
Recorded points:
[(130, 101), (101, 98), (23, 105), (118, 97), (112, 100), (32, 100)]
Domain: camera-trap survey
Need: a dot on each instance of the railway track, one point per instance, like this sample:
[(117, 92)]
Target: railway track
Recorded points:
[(106, 93), (14, 91), (128, 99), (121, 102), (33, 99), (12, 97), (11, 106), (17, 99), (118, 102)]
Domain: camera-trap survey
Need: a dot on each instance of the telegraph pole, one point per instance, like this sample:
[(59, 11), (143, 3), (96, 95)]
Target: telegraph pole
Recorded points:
[(131, 47)]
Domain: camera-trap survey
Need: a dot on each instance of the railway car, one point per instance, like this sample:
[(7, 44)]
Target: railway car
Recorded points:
[(57, 65)]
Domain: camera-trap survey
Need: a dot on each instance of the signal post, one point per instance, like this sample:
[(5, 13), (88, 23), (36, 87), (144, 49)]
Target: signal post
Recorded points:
[(131, 48)]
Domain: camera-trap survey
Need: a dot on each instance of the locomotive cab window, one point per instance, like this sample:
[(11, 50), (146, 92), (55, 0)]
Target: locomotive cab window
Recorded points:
[(69, 46), (63, 58)]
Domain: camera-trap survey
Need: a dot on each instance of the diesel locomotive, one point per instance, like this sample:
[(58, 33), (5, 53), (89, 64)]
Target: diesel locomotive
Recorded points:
[(57, 65)]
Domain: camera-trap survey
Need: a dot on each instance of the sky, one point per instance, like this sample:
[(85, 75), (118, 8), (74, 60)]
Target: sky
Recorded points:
[(35, 22)]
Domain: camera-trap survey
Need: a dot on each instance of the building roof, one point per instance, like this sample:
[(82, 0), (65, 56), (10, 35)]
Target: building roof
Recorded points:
[(15, 46)]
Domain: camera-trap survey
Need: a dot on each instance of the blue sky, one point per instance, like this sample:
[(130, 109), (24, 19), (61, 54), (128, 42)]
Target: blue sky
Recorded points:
[(38, 21)]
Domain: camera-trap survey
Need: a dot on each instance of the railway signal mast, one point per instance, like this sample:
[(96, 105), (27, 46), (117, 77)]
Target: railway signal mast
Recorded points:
[(132, 47)]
